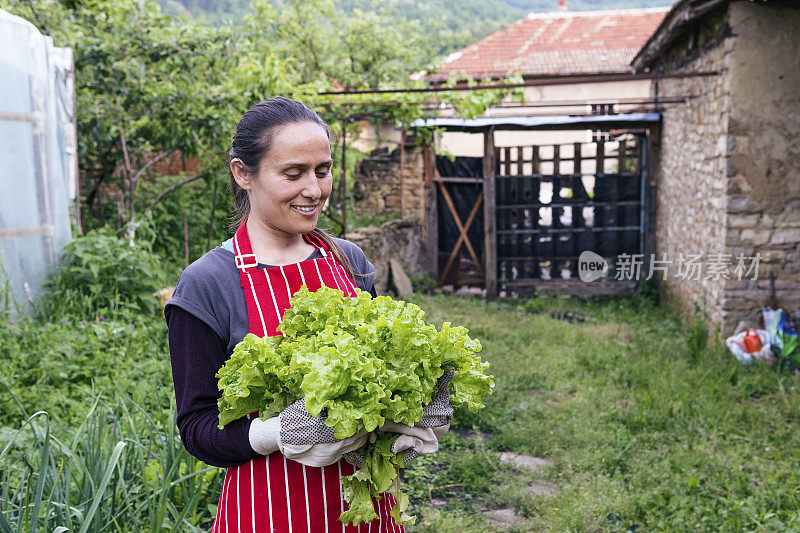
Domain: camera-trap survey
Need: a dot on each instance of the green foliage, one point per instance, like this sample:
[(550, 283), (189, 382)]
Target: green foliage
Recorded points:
[(696, 329), (140, 98), (648, 291), (345, 48), (121, 466), (128, 439), (47, 366), (100, 273), (195, 201), (364, 361), (139, 92), (453, 24), (696, 338), (640, 435)]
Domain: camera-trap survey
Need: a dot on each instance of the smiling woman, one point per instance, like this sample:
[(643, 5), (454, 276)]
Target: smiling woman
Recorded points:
[(280, 168), (286, 191), (283, 472)]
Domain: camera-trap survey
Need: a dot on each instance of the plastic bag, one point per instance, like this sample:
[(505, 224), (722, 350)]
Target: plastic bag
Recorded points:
[(764, 355), (783, 336)]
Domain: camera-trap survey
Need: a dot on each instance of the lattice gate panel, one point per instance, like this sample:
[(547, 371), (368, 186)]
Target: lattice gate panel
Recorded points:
[(554, 202)]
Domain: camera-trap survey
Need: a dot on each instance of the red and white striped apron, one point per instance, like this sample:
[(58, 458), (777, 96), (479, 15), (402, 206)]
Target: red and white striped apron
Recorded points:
[(273, 493)]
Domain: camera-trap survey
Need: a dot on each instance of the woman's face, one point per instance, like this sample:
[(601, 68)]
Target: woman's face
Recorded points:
[(293, 179)]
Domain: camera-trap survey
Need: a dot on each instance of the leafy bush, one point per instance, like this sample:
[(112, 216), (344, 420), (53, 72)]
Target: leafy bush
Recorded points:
[(100, 273), (47, 365)]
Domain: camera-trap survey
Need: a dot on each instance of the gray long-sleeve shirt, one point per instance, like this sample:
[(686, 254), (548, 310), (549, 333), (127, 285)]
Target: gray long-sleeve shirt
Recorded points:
[(207, 317)]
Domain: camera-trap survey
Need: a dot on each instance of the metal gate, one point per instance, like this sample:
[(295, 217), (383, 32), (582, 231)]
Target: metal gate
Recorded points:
[(555, 202)]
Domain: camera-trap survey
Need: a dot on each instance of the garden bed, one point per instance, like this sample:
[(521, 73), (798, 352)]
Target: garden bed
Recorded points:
[(622, 420)]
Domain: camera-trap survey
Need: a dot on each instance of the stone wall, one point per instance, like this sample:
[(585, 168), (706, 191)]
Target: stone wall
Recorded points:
[(378, 186), (763, 206), (396, 239), (691, 182), (729, 174)]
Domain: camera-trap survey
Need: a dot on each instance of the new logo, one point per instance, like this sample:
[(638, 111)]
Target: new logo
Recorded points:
[(591, 266)]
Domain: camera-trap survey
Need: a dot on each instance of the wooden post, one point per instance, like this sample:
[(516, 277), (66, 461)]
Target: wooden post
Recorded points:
[(650, 175), (556, 163), (489, 227), (431, 215), (343, 179), (186, 240), (621, 156), (600, 158), (402, 174)]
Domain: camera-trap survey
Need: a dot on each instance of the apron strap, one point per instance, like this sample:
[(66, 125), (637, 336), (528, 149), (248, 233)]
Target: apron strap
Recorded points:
[(246, 260)]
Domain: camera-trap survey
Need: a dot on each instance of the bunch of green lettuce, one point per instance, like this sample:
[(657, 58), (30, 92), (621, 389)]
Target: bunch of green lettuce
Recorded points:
[(364, 360)]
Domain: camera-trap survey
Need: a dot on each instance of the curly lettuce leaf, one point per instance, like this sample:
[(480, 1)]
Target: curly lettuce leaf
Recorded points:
[(254, 379), (356, 492), (378, 474), (362, 360)]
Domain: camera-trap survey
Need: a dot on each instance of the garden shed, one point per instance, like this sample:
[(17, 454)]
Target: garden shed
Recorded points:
[(38, 158), (728, 178)]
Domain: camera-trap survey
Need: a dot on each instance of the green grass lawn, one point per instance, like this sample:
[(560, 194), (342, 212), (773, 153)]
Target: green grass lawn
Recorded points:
[(646, 428)]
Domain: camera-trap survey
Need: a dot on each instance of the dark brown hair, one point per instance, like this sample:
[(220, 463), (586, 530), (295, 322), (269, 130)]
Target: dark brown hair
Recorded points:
[(253, 139)]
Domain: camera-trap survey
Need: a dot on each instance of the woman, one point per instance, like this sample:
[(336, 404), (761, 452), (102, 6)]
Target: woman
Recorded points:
[(283, 472)]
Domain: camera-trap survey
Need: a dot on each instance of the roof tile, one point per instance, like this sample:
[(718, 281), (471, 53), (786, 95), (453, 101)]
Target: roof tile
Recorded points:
[(559, 43)]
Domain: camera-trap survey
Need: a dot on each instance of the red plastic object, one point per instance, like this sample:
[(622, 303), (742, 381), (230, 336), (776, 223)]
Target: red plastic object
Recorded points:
[(752, 342)]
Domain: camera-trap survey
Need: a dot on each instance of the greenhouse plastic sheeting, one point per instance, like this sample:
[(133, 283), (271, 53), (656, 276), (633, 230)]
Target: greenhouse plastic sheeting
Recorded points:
[(38, 165)]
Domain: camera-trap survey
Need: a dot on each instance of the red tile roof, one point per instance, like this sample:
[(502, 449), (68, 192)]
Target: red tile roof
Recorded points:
[(559, 43)]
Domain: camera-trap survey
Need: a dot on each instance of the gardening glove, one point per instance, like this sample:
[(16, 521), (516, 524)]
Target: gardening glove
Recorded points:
[(424, 436), (414, 440), (439, 412), (356, 458), (302, 437)]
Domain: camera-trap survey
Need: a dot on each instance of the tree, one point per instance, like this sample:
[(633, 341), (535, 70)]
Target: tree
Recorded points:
[(148, 86), (344, 51)]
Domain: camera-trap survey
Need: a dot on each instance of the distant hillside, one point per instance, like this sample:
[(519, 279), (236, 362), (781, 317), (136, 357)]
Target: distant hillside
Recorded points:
[(456, 23)]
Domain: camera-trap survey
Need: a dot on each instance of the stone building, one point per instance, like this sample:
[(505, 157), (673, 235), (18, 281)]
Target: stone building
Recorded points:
[(728, 174)]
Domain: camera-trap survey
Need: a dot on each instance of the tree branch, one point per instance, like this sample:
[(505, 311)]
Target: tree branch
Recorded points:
[(173, 187), (152, 162), (125, 158), (128, 177), (334, 219)]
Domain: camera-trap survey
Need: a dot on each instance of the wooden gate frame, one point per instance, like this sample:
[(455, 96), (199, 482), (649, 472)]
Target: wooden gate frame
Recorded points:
[(489, 222), (488, 126), (434, 184)]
